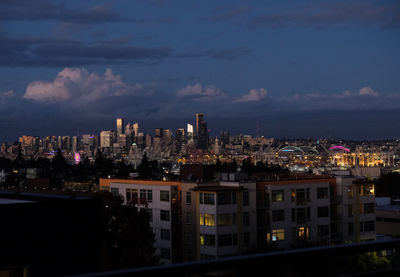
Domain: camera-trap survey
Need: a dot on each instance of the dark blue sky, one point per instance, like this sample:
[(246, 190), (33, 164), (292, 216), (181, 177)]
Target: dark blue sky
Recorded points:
[(294, 69)]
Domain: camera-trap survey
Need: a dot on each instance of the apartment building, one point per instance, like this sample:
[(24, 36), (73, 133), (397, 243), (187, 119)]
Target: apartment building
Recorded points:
[(198, 221), (354, 210), (294, 213), (194, 221), (162, 201)]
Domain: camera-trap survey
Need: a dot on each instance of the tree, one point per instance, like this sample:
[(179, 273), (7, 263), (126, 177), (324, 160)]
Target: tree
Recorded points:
[(128, 241), (145, 168)]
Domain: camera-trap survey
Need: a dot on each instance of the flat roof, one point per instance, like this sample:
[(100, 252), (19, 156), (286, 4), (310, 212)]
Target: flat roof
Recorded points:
[(217, 188), (6, 201)]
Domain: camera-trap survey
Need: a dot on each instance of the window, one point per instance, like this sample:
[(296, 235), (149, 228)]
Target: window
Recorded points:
[(149, 195), (369, 208), (293, 215), (245, 198), (164, 195), (278, 215), (165, 234), (293, 195), (165, 253), (277, 195), (227, 240), (189, 218), (207, 219), (322, 193), (246, 219), (303, 233), (323, 230), (278, 234), (115, 191), (226, 198), (323, 211), (301, 215), (207, 240), (367, 226), (367, 189), (308, 213), (226, 219), (300, 196), (207, 198), (164, 215), (188, 198)]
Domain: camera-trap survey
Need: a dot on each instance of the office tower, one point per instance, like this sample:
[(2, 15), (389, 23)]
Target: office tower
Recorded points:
[(201, 131), (180, 135), (148, 140), (128, 130), (136, 129), (106, 139), (158, 132), (224, 137), (120, 123), (189, 129), (167, 135), (74, 144)]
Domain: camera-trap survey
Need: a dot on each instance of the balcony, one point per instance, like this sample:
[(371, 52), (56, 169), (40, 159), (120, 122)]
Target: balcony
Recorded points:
[(316, 261)]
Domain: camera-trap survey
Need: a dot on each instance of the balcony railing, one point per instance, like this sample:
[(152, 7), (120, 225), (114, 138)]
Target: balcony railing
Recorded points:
[(315, 261)]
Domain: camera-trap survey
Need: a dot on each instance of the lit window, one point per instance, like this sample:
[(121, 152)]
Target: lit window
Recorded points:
[(277, 195), (207, 219), (278, 234)]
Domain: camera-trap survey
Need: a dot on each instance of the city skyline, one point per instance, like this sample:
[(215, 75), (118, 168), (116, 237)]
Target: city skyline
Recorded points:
[(281, 69)]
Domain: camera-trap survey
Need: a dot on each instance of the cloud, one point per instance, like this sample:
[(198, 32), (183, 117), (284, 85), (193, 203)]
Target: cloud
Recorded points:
[(198, 92), (253, 95), (217, 53), (368, 91), (50, 52), (78, 87), (329, 14), (231, 14), (7, 94), (11, 10)]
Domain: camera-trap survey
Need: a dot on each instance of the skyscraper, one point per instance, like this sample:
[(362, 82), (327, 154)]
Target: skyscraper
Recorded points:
[(120, 124), (136, 129), (201, 131)]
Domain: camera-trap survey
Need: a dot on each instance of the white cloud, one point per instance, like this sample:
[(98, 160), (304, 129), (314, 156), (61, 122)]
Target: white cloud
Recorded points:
[(7, 94), (253, 95), (198, 92), (78, 86), (368, 91)]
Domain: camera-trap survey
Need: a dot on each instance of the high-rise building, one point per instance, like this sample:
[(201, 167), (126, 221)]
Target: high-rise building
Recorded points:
[(136, 129), (201, 131), (120, 124), (190, 131), (158, 132), (106, 139), (167, 135)]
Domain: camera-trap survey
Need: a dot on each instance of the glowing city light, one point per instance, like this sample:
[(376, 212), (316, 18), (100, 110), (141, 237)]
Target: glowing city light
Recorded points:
[(340, 148), (77, 158)]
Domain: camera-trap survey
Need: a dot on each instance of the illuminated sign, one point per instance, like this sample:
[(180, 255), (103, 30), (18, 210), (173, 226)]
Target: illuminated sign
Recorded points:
[(77, 158)]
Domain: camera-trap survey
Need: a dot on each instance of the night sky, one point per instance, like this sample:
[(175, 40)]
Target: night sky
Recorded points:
[(275, 68)]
